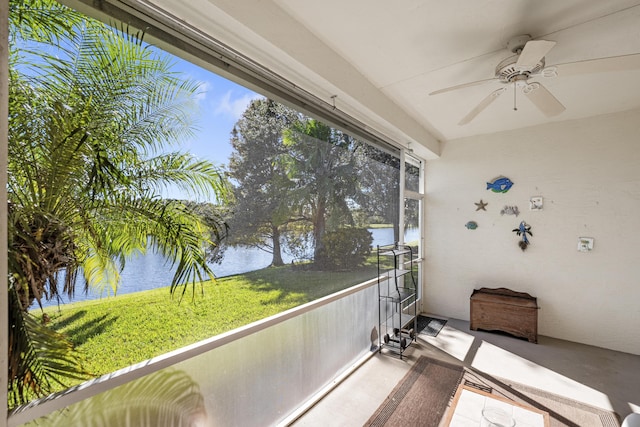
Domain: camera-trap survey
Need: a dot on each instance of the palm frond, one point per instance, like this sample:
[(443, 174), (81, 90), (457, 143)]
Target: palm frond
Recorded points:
[(194, 177), (166, 398), (38, 356), (135, 97), (128, 224), (41, 20), (181, 236)]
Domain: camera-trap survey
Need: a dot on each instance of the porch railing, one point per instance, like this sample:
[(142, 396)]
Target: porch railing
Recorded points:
[(259, 374)]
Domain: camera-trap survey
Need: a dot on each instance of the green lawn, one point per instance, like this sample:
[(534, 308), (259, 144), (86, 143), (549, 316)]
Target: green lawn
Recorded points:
[(113, 333)]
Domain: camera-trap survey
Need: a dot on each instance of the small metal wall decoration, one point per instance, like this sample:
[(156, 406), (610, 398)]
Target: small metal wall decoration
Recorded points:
[(510, 210), (522, 231), (471, 225)]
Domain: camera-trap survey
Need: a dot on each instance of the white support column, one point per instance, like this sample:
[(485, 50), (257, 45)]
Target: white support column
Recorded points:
[(401, 195), (423, 203), (4, 131)]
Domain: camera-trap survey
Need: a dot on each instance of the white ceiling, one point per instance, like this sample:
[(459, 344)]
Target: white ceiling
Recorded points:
[(382, 58)]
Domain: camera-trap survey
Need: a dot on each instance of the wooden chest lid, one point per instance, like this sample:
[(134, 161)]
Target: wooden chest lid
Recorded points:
[(504, 296)]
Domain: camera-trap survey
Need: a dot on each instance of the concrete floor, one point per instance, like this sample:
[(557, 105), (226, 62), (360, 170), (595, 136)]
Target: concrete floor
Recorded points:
[(595, 376)]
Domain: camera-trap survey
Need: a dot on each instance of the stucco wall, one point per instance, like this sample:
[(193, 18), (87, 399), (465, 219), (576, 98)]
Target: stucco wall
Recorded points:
[(588, 173)]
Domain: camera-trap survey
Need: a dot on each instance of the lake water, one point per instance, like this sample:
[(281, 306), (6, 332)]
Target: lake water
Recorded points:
[(150, 271)]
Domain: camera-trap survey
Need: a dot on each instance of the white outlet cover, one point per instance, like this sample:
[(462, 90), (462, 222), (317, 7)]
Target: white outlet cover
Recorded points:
[(585, 244), (536, 203)]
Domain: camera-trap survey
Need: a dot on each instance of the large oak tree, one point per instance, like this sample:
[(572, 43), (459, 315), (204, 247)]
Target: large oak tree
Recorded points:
[(263, 188)]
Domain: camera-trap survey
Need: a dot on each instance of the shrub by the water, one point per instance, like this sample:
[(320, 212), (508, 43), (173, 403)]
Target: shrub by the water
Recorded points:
[(345, 248)]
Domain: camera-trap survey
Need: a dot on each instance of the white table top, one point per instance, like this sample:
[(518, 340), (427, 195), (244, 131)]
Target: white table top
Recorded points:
[(468, 403)]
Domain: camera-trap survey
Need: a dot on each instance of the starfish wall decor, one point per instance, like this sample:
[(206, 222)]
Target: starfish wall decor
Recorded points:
[(481, 205)]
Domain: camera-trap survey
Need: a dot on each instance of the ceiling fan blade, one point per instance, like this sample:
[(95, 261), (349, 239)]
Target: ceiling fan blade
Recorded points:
[(533, 52), (543, 99), (483, 104), (476, 83), (600, 65)]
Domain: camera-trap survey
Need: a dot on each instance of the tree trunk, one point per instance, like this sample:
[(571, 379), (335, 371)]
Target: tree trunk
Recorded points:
[(277, 251), (319, 226)]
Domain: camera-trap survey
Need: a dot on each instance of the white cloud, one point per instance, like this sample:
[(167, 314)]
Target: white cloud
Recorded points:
[(234, 107), (203, 88)]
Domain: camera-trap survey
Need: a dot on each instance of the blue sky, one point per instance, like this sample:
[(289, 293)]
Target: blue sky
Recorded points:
[(222, 102)]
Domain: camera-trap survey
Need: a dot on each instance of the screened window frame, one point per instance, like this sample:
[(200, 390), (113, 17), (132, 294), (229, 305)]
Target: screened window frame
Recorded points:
[(180, 37)]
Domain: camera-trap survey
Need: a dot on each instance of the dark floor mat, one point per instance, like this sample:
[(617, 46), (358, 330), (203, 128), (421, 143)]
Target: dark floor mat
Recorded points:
[(430, 325)]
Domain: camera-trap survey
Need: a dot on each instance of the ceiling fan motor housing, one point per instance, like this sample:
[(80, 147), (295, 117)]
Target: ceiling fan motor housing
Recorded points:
[(508, 72)]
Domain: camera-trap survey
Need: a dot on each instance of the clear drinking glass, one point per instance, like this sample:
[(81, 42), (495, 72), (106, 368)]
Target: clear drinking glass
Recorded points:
[(496, 417)]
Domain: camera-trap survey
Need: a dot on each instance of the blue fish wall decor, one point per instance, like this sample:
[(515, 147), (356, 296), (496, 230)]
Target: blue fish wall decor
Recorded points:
[(500, 185)]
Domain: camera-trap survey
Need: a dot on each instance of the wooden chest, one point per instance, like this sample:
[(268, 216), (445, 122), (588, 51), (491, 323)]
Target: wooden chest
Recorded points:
[(505, 310)]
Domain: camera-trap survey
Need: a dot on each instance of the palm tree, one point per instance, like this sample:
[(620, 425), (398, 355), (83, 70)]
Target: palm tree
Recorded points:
[(92, 114)]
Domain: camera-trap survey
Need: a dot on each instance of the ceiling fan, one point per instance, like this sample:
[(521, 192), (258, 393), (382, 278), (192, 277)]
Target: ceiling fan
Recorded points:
[(529, 62)]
